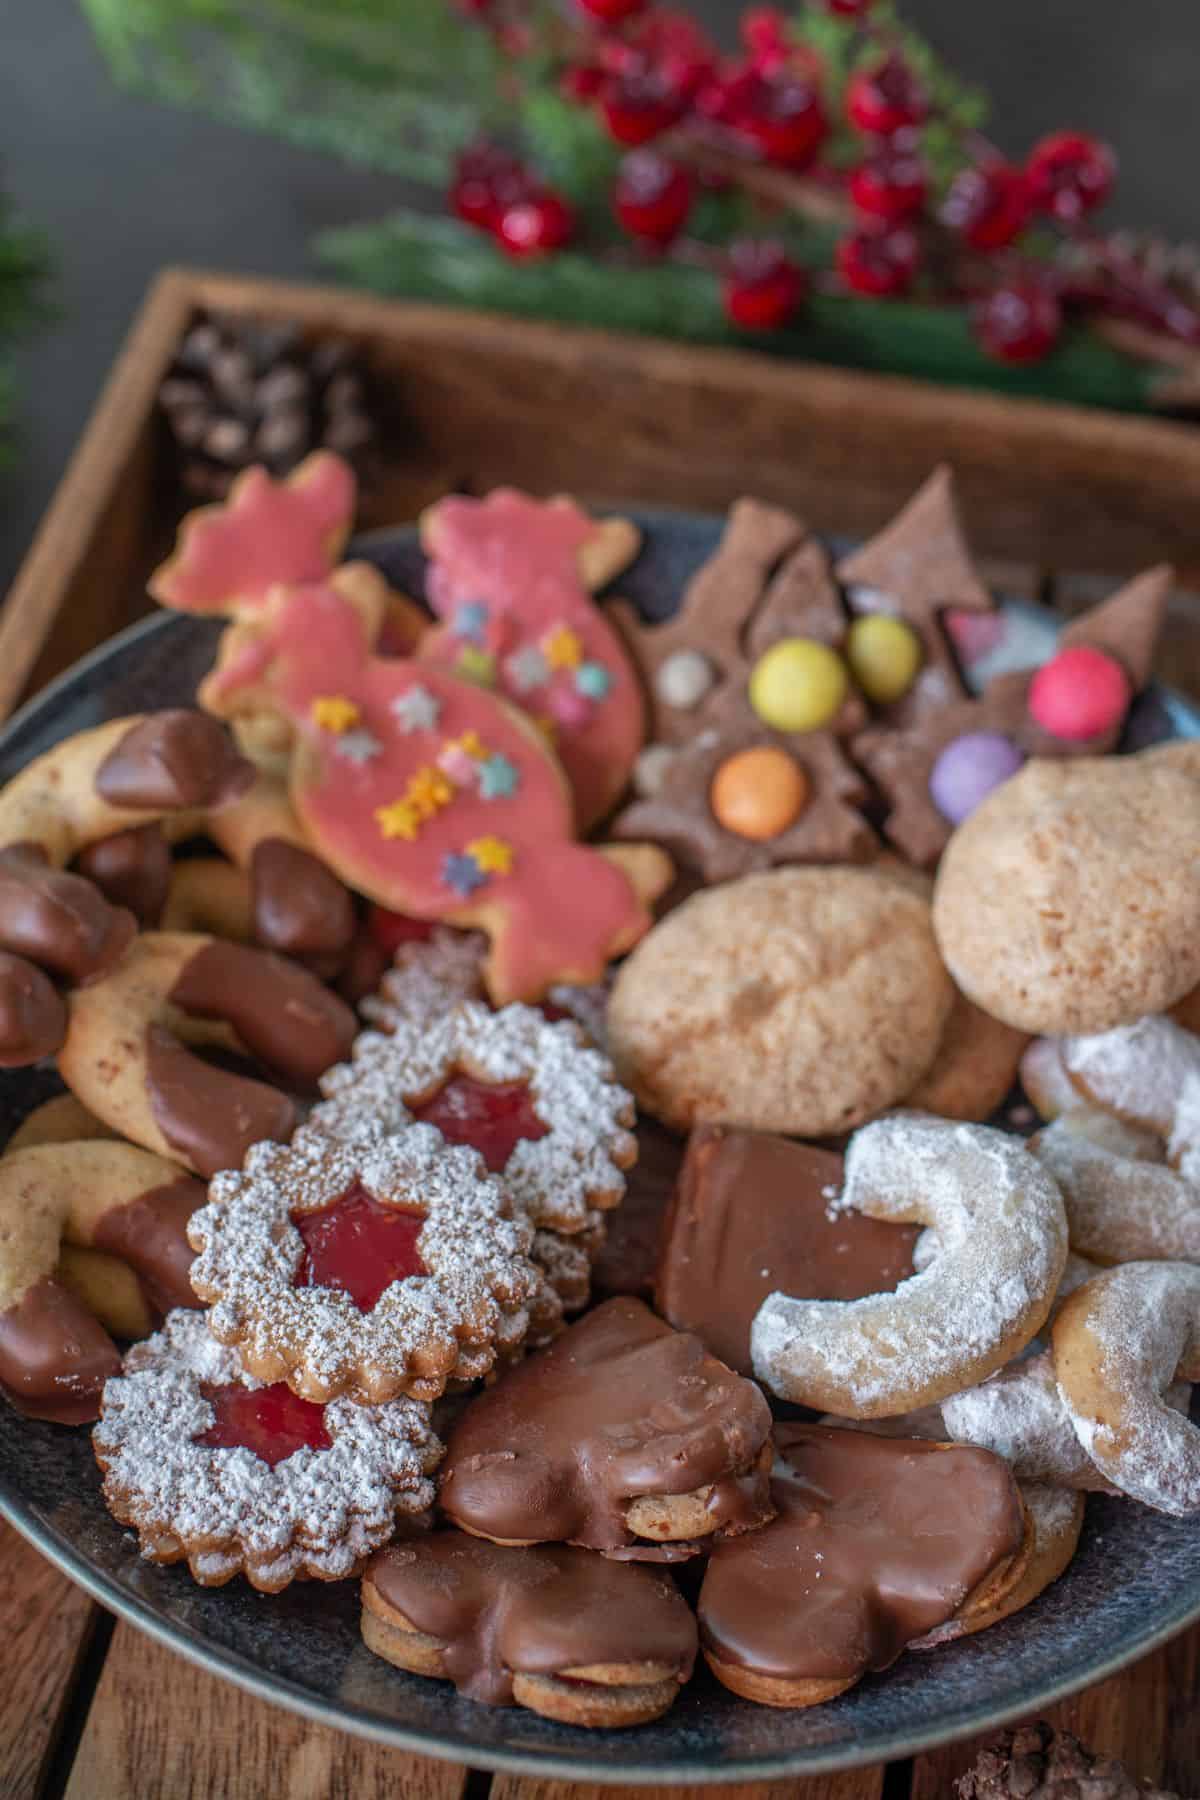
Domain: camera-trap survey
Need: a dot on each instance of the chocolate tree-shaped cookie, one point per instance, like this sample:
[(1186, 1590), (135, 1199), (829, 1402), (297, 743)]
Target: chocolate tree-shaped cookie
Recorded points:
[(935, 770)]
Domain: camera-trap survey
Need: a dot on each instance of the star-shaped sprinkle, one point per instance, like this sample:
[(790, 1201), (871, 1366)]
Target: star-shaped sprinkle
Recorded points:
[(492, 854), (569, 706), (416, 710), (428, 790), (463, 874), (527, 669), (497, 778), (470, 621), (473, 744), (563, 648), (454, 761), (593, 679), (476, 665), (333, 712), (399, 819), (358, 746)]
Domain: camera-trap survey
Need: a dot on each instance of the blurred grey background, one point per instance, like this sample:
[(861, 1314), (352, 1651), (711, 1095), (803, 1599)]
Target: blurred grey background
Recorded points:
[(122, 186)]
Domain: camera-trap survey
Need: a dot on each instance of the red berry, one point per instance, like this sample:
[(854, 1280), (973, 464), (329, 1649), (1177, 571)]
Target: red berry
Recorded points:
[(764, 32), (988, 205), (638, 106), (879, 262), (1069, 174), (652, 197), (885, 98), (672, 44), (1079, 694), (849, 9), (535, 225), (891, 185), (783, 114), (763, 286), (582, 81), (1019, 322), (610, 12), (486, 181)]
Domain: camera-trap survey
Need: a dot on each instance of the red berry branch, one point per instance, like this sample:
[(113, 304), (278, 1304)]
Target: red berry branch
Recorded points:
[(852, 168)]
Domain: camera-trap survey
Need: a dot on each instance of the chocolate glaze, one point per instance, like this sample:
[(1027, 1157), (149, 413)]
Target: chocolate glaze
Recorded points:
[(131, 868), (617, 1408), (54, 1356), (531, 1612), (629, 1254), (876, 1540), (280, 1012), (171, 761), (58, 920), (33, 1014), (150, 1234), (751, 1216), (300, 906), (208, 1116), (364, 966)]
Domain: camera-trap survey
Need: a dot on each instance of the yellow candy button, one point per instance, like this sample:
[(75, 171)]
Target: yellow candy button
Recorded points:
[(884, 655), (798, 685)]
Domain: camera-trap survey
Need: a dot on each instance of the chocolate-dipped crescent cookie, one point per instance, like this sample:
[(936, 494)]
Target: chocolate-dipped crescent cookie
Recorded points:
[(624, 1436), (570, 1635), (125, 1059)]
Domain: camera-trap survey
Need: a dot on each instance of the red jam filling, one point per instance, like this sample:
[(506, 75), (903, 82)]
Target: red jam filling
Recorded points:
[(271, 1421), (493, 1117), (359, 1246), (391, 929), (551, 1013)]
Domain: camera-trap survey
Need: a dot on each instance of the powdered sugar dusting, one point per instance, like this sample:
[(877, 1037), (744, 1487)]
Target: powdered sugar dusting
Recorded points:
[(1045, 1079), (558, 1180), (1137, 1071), (1123, 1204), (317, 1513), (1002, 1241), (428, 978), (1018, 1414), (423, 1330)]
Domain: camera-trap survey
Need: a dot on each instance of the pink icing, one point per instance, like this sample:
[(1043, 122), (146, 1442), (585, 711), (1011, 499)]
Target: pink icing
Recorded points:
[(518, 557), (267, 532), (561, 910)]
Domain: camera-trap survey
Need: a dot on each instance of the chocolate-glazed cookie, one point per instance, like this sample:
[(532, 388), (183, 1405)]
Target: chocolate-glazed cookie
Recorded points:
[(752, 1215), (876, 1541), (569, 1634), (624, 1436)]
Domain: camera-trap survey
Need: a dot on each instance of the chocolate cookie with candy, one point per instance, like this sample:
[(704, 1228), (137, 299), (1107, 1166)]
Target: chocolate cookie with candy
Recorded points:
[(208, 1465), (128, 1211), (624, 1436), (934, 771), (568, 1634), (876, 1543)]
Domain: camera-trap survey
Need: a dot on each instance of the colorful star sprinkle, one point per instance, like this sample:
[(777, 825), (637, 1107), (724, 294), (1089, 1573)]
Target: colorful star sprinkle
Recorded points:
[(492, 855), (497, 778), (358, 746), (569, 706), (527, 669), (477, 665), (563, 648), (463, 874), (593, 679), (428, 790), (416, 710), (470, 621), (399, 819), (333, 712)]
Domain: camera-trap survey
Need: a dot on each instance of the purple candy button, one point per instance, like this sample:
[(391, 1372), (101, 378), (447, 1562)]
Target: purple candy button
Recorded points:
[(968, 769)]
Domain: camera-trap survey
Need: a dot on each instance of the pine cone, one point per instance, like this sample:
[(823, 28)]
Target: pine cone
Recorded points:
[(244, 390), (1035, 1762)]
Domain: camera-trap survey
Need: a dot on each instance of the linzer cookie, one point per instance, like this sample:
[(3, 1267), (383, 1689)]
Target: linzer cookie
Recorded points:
[(568, 1634), (1000, 1247), (510, 579), (208, 1465), (369, 1270), (623, 1436), (753, 1214), (1066, 902), (126, 1058), (56, 1351), (801, 1001), (876, 1542)]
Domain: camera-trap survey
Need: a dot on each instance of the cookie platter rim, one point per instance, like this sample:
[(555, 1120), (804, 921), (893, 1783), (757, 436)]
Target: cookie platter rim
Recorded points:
[(49, 1487)]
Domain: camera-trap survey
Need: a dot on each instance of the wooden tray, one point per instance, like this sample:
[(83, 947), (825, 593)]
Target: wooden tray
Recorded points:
[(481, 400)]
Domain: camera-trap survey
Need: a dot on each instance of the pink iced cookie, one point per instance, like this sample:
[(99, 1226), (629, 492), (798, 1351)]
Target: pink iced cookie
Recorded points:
[(509, 579), (227, 557), (429, 794)]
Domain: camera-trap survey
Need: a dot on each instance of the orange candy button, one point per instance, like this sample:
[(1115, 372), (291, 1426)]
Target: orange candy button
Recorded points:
[(758, 793)]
